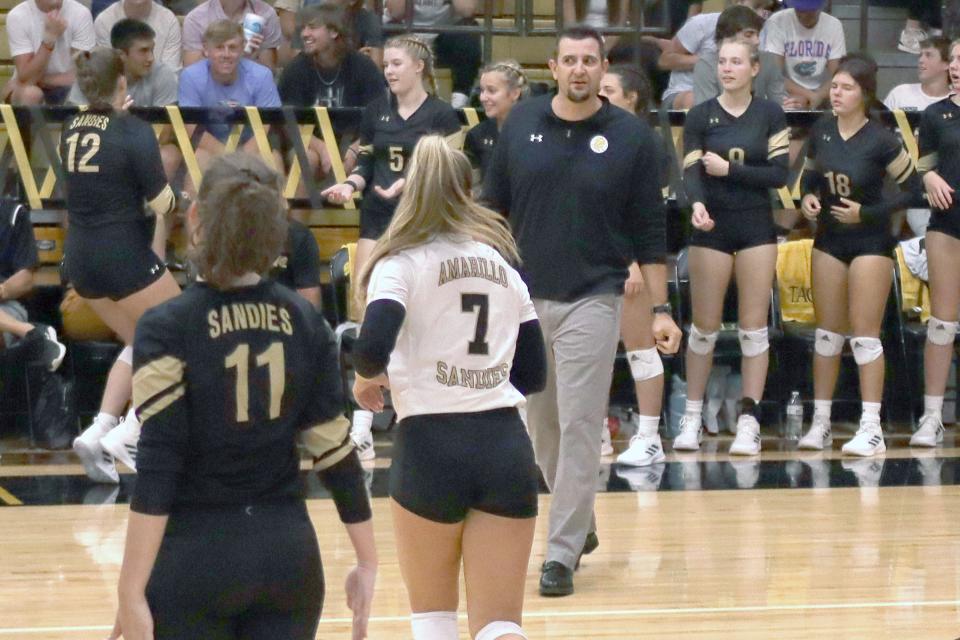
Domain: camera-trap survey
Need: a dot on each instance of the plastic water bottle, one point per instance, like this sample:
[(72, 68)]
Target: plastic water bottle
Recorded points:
[(794, 424)]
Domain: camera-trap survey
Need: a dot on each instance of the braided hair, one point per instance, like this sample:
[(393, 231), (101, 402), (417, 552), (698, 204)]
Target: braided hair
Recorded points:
[(512, 72), (417, 49)]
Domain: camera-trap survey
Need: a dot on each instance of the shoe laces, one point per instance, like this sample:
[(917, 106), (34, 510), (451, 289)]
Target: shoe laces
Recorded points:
[(868, 425), (929, 421), (690, 426)]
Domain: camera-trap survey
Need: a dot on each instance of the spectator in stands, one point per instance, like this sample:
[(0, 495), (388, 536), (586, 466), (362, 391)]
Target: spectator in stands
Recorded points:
[(741, 23), (261, 48), (364, 25), (18, 261), (329, 73), (808, 45), (149, 84), (167, 48), (695, 38), (502, 84), (43, 36), (933, 69), (923, 20), (225, 79), (460, 52)]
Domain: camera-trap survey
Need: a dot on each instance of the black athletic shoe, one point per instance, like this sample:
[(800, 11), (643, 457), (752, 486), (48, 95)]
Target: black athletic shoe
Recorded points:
[(555, 579), (44, 347), (590, 545)]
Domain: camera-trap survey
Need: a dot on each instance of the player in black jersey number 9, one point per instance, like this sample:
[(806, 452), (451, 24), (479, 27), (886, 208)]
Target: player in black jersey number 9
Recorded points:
[(735, 151), (228, 376), (452, 324)]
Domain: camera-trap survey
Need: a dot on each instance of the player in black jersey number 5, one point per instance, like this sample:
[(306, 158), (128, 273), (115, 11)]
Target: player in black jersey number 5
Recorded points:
[(228, 376), (848, 157), (451, 323), (735, 148), (390, 129)]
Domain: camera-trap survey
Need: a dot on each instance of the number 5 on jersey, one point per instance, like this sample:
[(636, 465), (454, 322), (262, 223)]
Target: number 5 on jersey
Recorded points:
[(273, 359)]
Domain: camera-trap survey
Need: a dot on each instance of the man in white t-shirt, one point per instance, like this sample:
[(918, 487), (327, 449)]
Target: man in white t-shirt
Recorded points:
[(808, 44), (44, 35), (933, 69), (694, 39), (167, 48)]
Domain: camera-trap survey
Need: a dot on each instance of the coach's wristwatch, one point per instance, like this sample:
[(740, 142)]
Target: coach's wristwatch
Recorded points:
[(666, 308)]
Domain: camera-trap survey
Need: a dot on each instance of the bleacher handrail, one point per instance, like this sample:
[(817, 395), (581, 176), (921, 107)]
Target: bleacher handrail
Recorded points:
[(27, 123)]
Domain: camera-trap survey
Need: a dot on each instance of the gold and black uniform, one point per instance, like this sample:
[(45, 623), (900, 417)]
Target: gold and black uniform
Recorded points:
[(386, 144), (224, 383), (756, 144), (113, 169), (939, 142), (855, 169)]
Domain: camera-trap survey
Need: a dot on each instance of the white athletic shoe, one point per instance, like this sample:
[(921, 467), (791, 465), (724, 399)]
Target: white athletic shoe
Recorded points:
[(691, 434), (929, 433), (747, 441), (643, 451), (121, 442), (364, 444), (910, 39), (606, 442), (868, 440), (643, 478), (97, 463), (819, 437)]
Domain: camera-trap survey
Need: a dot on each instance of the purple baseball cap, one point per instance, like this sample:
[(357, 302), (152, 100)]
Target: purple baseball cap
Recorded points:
[(806, 5)]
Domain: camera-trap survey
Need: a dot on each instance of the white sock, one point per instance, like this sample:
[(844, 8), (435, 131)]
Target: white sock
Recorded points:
[(871, 410), (821, 409), (434, 625), (362, 423), (933, 405), (694, 409), (106, 420), (647, 426)]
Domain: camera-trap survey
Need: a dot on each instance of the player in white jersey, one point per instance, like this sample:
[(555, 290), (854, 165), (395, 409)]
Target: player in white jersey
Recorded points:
[(450, 324)]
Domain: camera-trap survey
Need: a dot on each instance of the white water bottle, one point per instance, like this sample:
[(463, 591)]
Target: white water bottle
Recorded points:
[(794, 425)]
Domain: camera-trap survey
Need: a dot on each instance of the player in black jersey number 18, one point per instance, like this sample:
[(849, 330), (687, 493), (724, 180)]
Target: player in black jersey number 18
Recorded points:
[(848, 157)]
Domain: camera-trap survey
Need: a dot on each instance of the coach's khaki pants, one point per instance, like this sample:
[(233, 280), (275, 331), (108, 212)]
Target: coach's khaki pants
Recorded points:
[(565, 420)]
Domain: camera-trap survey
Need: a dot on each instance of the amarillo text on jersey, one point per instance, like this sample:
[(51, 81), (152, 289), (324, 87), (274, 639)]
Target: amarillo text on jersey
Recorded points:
[(472, 267)]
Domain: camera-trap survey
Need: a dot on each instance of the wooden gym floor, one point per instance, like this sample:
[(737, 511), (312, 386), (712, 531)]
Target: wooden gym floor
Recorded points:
[(792, 545)]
